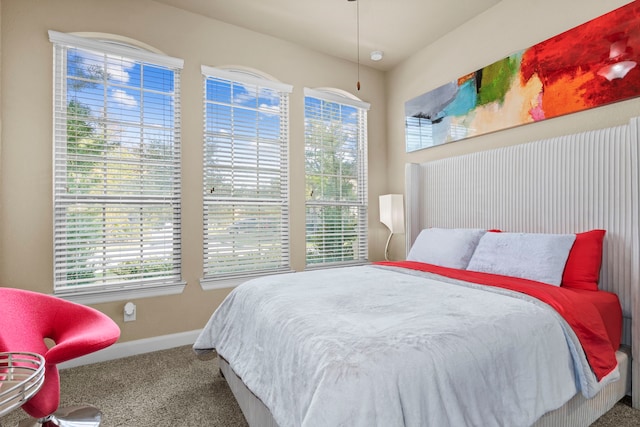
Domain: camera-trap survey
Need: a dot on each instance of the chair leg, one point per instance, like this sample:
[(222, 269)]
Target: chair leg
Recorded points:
[(35, 422), (70, 416), (80, 416)]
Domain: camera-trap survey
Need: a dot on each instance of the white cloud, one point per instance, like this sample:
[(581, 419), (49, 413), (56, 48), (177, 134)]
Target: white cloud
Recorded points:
[(123, 98), (275, 109), (117, 68), (249, 96)]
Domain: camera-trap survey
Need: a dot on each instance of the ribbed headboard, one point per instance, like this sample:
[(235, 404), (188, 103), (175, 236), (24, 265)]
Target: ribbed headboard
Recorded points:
[(565, 184)]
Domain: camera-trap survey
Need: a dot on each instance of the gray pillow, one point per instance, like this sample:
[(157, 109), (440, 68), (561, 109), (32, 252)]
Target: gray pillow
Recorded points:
[(533, 256), (446, 247)]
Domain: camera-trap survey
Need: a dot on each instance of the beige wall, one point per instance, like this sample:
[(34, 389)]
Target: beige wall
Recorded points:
[(26, 117), (507, 27), (26, 162), (0, 99)]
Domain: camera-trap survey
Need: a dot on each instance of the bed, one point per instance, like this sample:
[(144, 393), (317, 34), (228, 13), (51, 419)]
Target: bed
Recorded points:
[(346, 346)]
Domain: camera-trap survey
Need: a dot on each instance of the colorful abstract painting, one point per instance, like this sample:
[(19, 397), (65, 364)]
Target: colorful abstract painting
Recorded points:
[(594, 64)]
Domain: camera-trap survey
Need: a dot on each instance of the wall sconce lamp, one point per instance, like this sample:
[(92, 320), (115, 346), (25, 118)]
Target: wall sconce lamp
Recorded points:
[(392, 215)]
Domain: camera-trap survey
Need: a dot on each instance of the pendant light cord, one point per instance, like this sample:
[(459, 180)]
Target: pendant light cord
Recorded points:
[(358, 39)]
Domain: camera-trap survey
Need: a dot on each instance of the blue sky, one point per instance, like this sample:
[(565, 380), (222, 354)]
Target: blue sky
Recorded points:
[(135, 92)]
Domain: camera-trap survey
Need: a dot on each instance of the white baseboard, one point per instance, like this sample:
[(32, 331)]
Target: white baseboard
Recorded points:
[(132, 348)]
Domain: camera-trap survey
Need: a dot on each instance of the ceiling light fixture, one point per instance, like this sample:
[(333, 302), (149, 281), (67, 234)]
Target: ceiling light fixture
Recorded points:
[(358, 39), (376, 55)]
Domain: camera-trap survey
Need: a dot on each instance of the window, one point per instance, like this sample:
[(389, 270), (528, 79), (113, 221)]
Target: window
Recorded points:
[(116, 170), (246, 201), (336, 177)]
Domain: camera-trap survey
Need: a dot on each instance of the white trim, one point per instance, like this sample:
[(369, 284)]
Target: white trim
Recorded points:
[(134, 348), (233, 281), (324, 266), (117, 39), (334, 95), (115, 49), (634, 135), (244, 76), (412, 224), (86, 296)]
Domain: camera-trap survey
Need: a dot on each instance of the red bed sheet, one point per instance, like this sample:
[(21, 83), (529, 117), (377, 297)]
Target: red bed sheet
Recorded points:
[(594, 316), (608, 305)]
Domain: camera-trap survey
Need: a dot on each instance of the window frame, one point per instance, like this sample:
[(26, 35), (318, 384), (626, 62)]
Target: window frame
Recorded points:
[(337, 96), (237, 76), (140, 286)]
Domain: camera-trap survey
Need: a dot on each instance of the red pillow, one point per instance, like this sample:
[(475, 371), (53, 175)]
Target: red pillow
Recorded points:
[(582, 269)]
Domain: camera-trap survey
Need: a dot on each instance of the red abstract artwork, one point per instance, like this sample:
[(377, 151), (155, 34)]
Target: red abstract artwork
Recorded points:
[(591, 65)]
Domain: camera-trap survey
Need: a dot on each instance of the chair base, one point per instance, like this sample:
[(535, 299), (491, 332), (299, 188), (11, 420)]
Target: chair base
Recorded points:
[(70, 416)]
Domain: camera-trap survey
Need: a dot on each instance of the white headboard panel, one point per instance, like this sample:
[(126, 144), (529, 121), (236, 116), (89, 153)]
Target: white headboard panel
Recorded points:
[(565, 184)]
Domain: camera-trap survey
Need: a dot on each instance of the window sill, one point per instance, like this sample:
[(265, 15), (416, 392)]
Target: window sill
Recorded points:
[(309, 267), (233, 281), (88, 296)]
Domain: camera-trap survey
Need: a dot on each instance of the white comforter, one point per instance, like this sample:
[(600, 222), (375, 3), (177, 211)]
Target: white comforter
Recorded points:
[(369, 346)]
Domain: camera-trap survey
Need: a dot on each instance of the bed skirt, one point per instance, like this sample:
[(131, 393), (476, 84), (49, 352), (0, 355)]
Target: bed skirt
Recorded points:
[(578, 412), (254, 411)]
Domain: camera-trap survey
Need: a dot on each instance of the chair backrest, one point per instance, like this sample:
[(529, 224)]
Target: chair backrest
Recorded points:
[(28, 318)]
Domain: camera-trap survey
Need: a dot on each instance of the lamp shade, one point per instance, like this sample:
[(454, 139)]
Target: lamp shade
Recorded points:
[(392, 212)]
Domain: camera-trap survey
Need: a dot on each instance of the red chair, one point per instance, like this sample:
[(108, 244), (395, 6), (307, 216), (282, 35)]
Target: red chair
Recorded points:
[(26, 320)]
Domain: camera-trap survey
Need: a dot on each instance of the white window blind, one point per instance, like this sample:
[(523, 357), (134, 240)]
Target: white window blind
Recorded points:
[(116, 167), (246, 194), (336, 178)]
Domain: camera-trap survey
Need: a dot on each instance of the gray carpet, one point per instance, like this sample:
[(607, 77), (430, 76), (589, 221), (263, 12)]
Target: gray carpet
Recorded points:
[(174, 388), (164, 388)]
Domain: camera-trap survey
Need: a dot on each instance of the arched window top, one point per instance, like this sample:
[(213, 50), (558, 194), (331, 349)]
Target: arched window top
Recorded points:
[(337, 95), (246, 75), (248, 71), (119, 40), (112, 44), (339, 92)]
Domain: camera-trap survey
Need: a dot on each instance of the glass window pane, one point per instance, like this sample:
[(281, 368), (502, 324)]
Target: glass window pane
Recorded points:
[(218, 91), (245, 179), (158, 79)]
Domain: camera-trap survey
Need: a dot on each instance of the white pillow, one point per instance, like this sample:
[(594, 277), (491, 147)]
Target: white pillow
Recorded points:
[(533, 256), (446, 247)]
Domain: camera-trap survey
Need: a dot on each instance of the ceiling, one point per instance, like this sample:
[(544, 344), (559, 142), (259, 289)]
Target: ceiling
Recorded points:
[(399, 28)]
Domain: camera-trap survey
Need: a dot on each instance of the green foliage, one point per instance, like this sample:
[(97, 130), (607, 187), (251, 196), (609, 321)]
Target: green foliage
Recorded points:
[(79, 268), (84, 144), (332, 239), (83, 148), (80, 148), (330, 165), (86, 75), (331, 171), (145, 270)]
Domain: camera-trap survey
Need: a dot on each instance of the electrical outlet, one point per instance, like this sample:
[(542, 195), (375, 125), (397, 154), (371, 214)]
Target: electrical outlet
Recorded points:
[(129, 312)]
